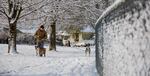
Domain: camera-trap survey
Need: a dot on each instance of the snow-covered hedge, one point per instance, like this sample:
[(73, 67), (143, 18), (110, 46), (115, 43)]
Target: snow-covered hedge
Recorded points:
[(123, 39), (22, 38)]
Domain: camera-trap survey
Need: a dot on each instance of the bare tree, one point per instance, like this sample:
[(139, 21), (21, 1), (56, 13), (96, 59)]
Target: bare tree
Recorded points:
[(52, 12)]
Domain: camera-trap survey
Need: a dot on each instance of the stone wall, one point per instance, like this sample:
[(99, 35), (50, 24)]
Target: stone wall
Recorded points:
[(123, 40)]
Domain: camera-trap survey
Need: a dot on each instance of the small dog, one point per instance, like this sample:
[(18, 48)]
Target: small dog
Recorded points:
[(40, 51), (87, 50)]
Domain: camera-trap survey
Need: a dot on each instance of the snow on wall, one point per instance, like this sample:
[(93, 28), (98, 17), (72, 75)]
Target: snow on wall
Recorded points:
[(123, 40)]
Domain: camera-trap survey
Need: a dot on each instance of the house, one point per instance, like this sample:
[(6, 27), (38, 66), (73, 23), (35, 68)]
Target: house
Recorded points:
[(76, 36), (86, 34)]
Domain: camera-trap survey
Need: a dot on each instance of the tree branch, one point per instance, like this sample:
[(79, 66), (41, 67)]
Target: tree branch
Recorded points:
[(3, 12), (33, 4), (32, 11)]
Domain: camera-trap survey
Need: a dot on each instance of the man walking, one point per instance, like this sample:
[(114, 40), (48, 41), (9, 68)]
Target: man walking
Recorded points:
[(40, 36)]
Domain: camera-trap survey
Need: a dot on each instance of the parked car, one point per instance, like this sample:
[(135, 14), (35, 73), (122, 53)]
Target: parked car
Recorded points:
[(80, 44), (59, 42), (84, 43)]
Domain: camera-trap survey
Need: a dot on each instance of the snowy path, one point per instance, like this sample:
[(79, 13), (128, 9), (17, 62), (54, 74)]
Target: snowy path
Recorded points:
[(67, 61)]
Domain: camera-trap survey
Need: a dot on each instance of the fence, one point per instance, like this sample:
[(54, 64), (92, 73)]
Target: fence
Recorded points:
[(123, 39)]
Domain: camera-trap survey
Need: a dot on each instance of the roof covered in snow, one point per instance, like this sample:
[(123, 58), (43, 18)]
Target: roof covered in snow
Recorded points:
[(64, 33)]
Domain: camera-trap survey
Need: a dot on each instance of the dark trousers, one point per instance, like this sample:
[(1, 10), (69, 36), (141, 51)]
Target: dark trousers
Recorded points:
[(40, 44)]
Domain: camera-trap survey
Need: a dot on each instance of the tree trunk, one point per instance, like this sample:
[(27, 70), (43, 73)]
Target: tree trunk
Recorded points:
[(12, 38), (14, 10), (52, 37)]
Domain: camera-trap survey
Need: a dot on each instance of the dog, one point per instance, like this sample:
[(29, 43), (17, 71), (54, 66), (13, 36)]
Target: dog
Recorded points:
[(40, 51), (87, 50)]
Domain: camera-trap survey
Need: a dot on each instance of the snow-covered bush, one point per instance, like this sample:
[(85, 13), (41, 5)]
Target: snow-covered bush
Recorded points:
[(25, 39), (22, 38)]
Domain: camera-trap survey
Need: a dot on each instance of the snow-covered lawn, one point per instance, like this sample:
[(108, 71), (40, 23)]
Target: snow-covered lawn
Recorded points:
[(67, 61)]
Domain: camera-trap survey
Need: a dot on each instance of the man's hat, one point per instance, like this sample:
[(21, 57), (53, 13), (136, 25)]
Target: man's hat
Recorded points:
[(42, 26)]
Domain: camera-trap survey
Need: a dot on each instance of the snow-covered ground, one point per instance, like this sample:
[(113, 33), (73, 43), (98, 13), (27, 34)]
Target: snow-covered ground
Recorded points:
[(67, 61)]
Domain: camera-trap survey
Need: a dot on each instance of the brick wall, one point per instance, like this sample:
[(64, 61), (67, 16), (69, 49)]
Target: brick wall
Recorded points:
[(123, 40)]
